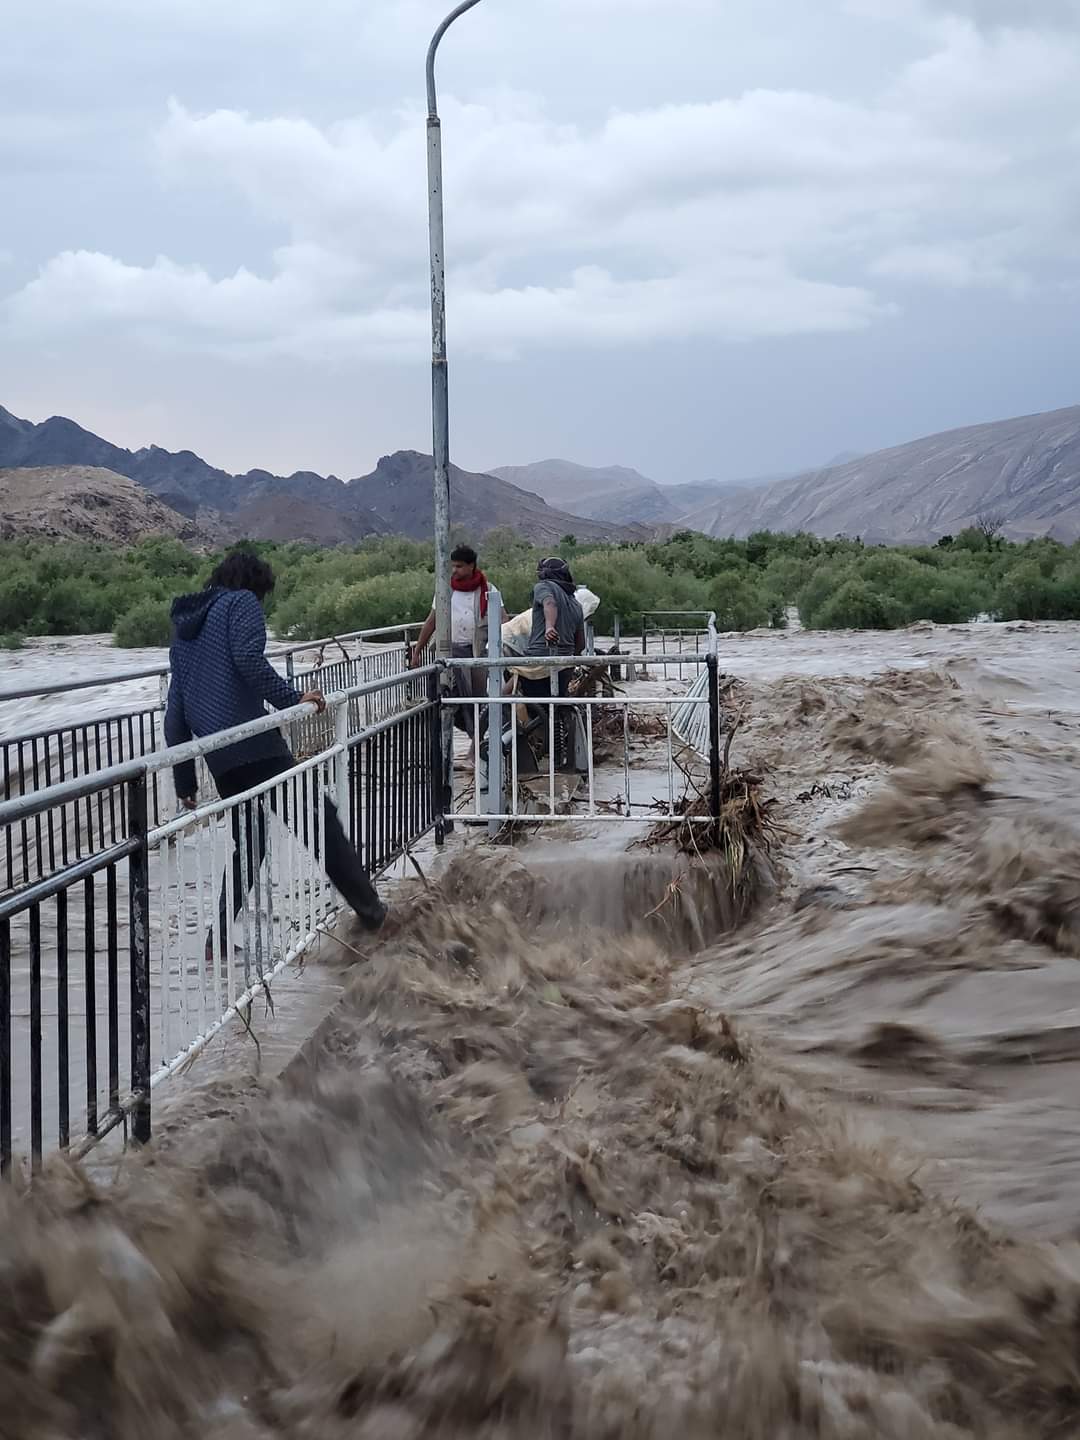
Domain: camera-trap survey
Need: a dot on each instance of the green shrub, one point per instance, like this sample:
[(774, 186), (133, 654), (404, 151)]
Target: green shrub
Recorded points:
[(785, 577), (165, 559), (951, 602), (13, 640), (515, 581), (145, 624), (20, 598), (72, 607), (823, 583), (503, 550), (740, 602), (628, 582), (309, 613), (1067, 593), (1026, 593), (383, 600), (855, 606), (76, 587)]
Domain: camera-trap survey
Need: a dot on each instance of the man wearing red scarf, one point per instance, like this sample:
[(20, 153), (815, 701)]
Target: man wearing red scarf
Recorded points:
[(467, 582)]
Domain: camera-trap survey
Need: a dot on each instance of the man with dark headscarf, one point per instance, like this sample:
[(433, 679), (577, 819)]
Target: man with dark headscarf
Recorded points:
[(558, 628), (558, 621)]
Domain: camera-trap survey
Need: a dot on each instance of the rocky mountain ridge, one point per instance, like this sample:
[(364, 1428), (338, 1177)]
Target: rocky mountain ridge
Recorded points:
[(1023, 472), (394, 499)]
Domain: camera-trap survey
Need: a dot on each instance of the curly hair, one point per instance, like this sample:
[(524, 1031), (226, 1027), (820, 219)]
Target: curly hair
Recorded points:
[(243, 570)]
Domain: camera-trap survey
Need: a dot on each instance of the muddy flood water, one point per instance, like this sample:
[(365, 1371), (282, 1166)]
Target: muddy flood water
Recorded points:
[(591, 1151)]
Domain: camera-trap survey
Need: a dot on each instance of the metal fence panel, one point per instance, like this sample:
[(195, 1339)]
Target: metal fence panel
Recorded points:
[(119, 967), (44, 932), (575, 725), (35, 848)]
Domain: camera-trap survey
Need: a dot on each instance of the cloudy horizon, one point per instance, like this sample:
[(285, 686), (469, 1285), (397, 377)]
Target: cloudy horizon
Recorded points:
[(701, 244)]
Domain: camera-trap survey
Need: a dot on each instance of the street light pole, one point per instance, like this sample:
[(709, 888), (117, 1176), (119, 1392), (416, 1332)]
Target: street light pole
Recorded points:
[(440, 416)]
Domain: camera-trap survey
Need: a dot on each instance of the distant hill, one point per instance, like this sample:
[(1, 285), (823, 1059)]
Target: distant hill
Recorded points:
[(610, 493), (394, 499), (1024, 472), (719, 510), (279, 513), (84, 502), (399, 491), (620, 496), (691, 496)]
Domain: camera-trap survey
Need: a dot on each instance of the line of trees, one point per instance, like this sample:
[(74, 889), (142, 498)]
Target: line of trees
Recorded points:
[(71, 588)]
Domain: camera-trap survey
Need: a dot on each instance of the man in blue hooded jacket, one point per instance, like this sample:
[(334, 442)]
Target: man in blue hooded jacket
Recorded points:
[(221, 678)]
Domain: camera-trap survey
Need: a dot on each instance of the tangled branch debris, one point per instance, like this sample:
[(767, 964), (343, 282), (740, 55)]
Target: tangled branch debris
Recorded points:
[(591, 680), (746, 821), (741, 836)]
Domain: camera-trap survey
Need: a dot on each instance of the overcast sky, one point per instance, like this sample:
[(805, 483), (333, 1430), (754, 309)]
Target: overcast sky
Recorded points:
[(703, 239)]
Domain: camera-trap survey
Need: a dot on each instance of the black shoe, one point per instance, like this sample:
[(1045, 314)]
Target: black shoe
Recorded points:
[(372, 920)]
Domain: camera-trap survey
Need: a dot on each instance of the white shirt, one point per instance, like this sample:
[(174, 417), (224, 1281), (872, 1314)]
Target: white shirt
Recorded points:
[(464, 614)]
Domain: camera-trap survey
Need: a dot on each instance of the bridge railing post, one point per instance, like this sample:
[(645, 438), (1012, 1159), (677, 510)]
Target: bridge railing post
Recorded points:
[(139, 900), (439, 797), (341, 773), (495, 785), (713, 668)]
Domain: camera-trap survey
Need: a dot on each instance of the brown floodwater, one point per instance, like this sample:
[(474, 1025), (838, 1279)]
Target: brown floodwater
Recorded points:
[(589, 1151)]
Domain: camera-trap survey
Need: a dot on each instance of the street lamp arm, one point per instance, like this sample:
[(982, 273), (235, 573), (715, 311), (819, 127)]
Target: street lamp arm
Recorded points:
[(433, 47)]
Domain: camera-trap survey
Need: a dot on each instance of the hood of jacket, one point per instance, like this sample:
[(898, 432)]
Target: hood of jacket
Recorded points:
[(189, 612)]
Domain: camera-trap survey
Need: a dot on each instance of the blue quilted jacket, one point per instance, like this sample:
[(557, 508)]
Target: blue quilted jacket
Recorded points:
[(221, 678)]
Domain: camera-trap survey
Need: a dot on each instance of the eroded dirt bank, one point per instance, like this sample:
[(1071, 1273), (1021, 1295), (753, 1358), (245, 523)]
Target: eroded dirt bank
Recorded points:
[(548, 1175)]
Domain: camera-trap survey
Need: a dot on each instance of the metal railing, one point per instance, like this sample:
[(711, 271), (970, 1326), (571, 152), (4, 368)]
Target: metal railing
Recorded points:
[(677, 631), (34, 849), (356, 675), (342, 672), (394, 791), (156, 941), (46, 1051), (383, 633), (237, 896), (589, 744), (511, 734), (34, 761)]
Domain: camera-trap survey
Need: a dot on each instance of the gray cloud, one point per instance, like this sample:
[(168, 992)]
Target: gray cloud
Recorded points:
[(1013, 14)]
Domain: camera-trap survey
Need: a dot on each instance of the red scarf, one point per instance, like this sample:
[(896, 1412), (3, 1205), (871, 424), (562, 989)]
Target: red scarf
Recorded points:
[(479, 582)]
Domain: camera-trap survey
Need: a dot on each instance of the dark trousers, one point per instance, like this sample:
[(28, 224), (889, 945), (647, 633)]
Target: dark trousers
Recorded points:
[(468, 683), (540, 689), (327, 839)]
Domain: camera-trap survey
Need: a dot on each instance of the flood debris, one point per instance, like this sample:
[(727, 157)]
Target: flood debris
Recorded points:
[(738, 841)]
